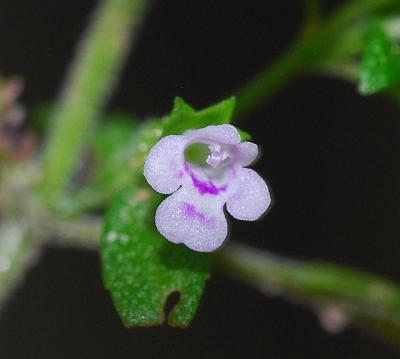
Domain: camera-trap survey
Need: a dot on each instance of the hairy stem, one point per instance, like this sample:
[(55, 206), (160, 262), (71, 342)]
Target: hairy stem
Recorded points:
[(17, 253), (88, 85), (83, 233), (329, 289), (332, 291), (372, 301)]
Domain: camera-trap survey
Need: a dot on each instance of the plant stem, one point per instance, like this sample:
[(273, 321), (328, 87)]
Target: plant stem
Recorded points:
[(83, 233), (369, 300), (310, 49), (17, 253), (88, 85), (373, 301)]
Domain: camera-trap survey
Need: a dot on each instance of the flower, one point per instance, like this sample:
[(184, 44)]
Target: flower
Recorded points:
[(194, 213)]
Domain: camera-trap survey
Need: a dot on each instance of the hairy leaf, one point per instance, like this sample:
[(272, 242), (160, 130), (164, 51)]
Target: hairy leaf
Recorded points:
[(183, 117)]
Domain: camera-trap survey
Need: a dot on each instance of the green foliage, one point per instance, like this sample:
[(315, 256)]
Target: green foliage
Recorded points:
[(113, 146), (183, 117), (380, 68), (141, 268), (245, 136), (110, 164)]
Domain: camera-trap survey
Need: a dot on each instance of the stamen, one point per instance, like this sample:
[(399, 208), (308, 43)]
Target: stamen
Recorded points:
[(217, 155)]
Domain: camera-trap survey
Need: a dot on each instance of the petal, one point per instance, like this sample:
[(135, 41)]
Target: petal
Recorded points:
[(251, 199), (226, 134), (247, 153), (163, 168), (194, 221)]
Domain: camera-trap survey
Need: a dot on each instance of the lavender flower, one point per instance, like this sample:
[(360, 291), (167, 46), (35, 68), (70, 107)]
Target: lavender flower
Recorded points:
[(194, 213)]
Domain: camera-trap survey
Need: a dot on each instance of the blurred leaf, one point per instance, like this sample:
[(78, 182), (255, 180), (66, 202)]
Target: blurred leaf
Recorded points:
[(39, 119), (245, 136), (380, 68), (142, 269), (115, 130), (392, 8), (110, 164), (112, 149)]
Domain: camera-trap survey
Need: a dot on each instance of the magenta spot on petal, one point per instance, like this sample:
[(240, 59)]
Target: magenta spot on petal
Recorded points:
[(204, 186), (190, 211)]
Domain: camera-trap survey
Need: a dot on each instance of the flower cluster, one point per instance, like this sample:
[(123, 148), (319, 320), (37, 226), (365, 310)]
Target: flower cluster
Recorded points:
[(194, 213)]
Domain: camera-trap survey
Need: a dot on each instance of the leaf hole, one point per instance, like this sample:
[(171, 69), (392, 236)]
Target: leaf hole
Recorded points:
[(172, 301)]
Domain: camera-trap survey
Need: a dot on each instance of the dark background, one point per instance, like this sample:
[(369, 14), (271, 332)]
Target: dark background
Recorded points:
[(330, 156)]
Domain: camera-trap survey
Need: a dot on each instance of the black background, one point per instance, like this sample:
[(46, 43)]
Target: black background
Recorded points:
[(330, 156)]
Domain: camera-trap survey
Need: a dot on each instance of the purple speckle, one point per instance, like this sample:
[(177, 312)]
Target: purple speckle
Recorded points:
[(204, 186), (190, 211)]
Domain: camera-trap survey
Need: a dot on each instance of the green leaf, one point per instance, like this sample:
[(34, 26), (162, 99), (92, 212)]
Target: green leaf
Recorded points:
[(141, 268), (380, 68), (183, 117)]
